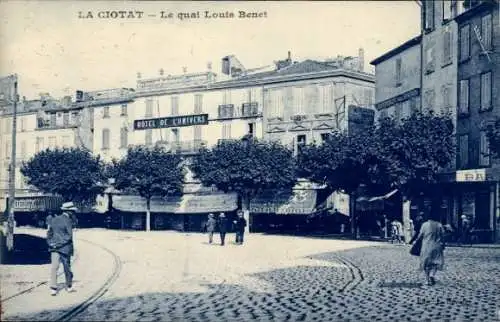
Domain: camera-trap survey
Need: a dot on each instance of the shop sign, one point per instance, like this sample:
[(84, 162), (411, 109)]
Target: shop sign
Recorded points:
[(188, 203), (473, 175), (299, 202), (174, 121), (43, 203), (398, 99)]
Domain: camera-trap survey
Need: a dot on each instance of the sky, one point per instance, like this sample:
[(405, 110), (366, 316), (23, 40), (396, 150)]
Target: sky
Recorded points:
[(53, 50)]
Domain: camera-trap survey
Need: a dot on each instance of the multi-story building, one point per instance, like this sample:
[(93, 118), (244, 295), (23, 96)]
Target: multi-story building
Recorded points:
[(398, 80), (41, 124), (295, 103), (478, 174), (457, 63)]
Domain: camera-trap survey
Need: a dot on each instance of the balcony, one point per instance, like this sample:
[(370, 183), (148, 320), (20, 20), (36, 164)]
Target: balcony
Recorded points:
[(246, 110)]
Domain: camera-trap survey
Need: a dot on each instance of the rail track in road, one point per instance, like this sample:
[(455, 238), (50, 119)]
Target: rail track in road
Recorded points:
[(117, 267), (31, 289)]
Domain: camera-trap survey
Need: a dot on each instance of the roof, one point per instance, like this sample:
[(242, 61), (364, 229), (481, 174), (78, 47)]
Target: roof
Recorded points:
[(475, 10), (393, 52)]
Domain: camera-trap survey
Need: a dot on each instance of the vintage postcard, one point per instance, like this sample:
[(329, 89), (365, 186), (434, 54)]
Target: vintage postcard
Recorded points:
[(250, 160)]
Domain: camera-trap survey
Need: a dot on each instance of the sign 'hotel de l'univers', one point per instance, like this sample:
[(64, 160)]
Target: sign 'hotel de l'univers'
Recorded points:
[(175, 121)]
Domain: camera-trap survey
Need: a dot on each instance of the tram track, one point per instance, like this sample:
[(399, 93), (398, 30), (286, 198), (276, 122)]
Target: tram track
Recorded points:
[(78, 309)]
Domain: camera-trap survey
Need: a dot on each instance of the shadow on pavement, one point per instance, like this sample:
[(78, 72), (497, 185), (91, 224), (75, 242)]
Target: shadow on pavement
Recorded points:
[(28, 250)]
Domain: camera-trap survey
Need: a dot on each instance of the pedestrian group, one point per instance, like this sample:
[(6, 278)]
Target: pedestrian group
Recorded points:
[(222, 224)]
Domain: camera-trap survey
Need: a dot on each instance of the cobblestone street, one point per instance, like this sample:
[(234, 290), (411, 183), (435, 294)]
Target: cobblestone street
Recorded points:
[(173, 276)]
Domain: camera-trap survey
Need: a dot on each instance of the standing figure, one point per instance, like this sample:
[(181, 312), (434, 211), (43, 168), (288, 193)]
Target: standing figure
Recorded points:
[(433, 243), (466, 228), (396, 231), (210, 225), (240, 224), (222, 228), (60, 241)]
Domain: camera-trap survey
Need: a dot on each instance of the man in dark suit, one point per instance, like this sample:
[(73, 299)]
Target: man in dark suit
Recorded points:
[(222, 228), (60, 242)]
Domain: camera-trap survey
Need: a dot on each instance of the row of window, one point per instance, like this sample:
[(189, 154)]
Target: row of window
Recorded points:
[(123, 111), (168, 135), (449, 10), (468, 152), (485, 103), (483, 33), (39, 145)]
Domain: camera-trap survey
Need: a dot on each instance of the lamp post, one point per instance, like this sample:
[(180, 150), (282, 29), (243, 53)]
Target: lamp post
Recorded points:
[(245, 199), (9, 94)]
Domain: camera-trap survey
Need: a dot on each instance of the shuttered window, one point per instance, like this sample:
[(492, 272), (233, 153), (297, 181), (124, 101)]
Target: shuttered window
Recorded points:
[(463, 161), (123, 137), (464, 42), (447, 47), (174, 105), (149, 137), (486, 32), (105, 138), (398, 71), (484, 151), (149, 108), (463, 103), (486, 91)]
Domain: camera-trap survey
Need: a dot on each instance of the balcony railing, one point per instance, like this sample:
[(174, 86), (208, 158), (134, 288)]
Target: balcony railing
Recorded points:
[(230, 111)]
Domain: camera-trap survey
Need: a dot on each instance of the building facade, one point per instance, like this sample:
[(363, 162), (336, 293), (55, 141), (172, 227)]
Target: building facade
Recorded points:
[(41, 124), (296, 103), (457, 62), (477, 188), (398, 80)]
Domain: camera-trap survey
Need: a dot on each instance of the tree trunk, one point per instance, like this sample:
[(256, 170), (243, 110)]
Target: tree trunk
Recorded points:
[(148, 214), (245, 205), (352, 210)]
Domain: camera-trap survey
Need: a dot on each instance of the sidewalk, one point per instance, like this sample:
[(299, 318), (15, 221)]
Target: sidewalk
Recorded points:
[(91, 270)]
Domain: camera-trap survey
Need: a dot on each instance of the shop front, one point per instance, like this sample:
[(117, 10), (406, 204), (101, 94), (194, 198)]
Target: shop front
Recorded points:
[(32, 210), (477, 199), (283, 212), (184, 213)]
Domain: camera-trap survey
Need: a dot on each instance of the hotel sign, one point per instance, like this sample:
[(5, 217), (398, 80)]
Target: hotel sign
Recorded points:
[(474, 175), (174, 121)]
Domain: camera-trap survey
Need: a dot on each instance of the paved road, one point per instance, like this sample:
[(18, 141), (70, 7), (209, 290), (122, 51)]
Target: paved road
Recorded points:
[(172, 276)]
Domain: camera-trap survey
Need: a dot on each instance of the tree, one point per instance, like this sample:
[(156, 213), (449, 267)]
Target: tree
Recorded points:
[(415, 151), (148, 172), (406, 155), (74, 173), (343, 163), (247, 167), (493, 134)]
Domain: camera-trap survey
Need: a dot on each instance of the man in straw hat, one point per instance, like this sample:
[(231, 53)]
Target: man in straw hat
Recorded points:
[(60, 241)]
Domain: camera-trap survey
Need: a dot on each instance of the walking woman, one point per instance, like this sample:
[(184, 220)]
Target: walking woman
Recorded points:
[(432, 237)]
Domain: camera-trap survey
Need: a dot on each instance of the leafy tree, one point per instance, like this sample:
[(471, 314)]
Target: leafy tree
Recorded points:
[(247, 167), (148, 172), (74, 173), (344, 163), (415, 151), (493, 133), (406, 155)]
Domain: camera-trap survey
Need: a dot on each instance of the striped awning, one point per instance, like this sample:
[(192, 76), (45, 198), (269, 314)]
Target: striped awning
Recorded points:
[(299, 202)]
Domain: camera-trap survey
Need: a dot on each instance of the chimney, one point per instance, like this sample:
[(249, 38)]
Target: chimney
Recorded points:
[(184, 70), (209, 66), (162, 72), (361, 57), (139, 75), (289, 56)]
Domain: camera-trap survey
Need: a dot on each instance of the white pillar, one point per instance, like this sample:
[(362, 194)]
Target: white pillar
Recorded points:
[(406, 221)]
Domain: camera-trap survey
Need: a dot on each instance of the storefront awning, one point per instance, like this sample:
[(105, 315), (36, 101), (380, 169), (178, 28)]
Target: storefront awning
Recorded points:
[(188, 203), (298, 202)]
